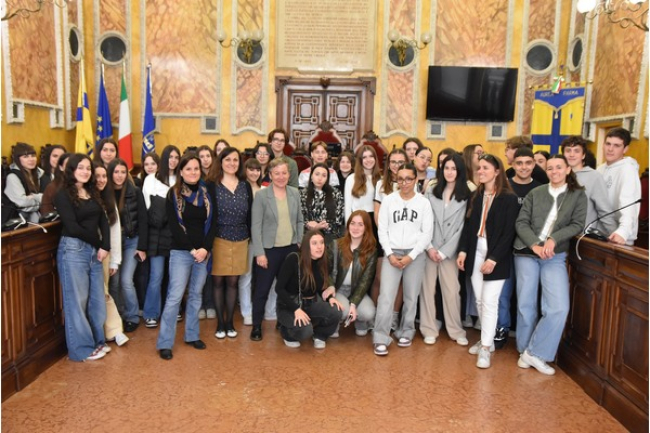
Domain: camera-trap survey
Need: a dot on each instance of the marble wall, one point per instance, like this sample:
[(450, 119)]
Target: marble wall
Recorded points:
[(33, 58), (248, 93), (400, 109), (617, 70), (473, 36), (180, 42), (112, 17)]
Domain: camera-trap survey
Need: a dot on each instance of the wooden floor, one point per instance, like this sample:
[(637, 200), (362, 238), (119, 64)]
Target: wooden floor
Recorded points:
[(244, 386)]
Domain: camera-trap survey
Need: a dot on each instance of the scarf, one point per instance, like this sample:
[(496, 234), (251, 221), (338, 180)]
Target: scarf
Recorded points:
[(198, 198)]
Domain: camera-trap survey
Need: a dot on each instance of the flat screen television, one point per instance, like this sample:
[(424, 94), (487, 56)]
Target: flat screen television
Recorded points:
[(471, 94)]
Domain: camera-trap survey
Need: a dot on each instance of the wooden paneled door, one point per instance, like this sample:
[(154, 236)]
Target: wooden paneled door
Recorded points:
[(303, 103)]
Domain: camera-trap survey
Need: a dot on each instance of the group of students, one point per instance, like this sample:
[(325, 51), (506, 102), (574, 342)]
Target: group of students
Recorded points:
[(352, 245)]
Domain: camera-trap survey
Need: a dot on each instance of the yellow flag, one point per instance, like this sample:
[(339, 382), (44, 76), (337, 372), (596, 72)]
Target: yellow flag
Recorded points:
[(84, 141)]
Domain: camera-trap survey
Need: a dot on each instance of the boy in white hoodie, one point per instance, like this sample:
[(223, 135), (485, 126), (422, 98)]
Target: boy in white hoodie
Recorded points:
[(621, 175)]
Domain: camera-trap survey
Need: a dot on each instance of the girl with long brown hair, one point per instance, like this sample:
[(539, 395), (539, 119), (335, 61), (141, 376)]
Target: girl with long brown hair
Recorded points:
[(471, 155), (301, 285), (134, 223), (360, 188), (356, 265), (84, 244), (485, 247)]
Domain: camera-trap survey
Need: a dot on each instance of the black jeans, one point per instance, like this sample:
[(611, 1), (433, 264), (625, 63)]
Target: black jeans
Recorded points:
[(324, 320), (264, 278)]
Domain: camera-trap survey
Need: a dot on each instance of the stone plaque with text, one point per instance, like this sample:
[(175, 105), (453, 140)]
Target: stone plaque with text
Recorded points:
[(326, 36)]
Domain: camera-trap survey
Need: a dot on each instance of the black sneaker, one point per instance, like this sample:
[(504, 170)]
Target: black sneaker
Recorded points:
[(256, 333), (130, 326), (501, 338)]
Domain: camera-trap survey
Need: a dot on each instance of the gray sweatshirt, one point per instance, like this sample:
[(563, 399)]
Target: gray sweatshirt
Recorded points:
[(598, 201)]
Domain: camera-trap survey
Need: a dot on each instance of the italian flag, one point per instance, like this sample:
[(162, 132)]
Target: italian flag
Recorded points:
[(125, 150)]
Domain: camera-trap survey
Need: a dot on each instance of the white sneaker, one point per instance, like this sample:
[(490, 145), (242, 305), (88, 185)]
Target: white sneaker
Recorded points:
[(483, 358), (336, 333), (202, 314), (468, 323), (211, 313), (121, 339), (220, 334), (404, 342), (319, 344), (97, 354), (105, 348), (381, 349), (477, 325), (361, 332), (248, 320), (537, 363), (429, 340), (462, 341), (231, 333), (292, 344), (475, 348)]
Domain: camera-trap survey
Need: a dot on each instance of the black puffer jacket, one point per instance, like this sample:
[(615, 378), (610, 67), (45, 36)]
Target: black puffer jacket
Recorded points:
[(160, 236), (133, 216)]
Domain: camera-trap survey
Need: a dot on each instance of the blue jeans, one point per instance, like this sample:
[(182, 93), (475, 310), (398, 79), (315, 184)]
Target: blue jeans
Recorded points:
[(152, 296), (182, 269), (84, 305), (503, 320), (124, 279), (541, 336)]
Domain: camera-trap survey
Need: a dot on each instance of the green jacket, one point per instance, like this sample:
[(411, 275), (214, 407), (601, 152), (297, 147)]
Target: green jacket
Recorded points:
[(361, 277), (537, 205)]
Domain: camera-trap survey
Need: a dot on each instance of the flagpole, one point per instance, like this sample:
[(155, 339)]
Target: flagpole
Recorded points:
[(149, 75)]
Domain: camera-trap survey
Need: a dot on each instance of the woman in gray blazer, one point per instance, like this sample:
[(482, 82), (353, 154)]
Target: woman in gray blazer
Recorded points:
[(448, 200), (276, 228)]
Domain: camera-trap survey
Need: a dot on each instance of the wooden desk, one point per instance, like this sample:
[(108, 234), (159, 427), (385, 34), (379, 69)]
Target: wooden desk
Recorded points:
[(605, 343), (33, 336)]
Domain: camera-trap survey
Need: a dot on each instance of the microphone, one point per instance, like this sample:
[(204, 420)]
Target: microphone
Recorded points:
[(597, 234)]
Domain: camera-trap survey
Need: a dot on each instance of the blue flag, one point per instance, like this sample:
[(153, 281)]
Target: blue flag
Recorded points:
[(148, 143), (104, 125)]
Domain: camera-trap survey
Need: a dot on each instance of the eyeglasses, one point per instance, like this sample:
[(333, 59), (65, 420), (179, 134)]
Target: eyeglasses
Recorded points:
[(400, 163), (403, 180)]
